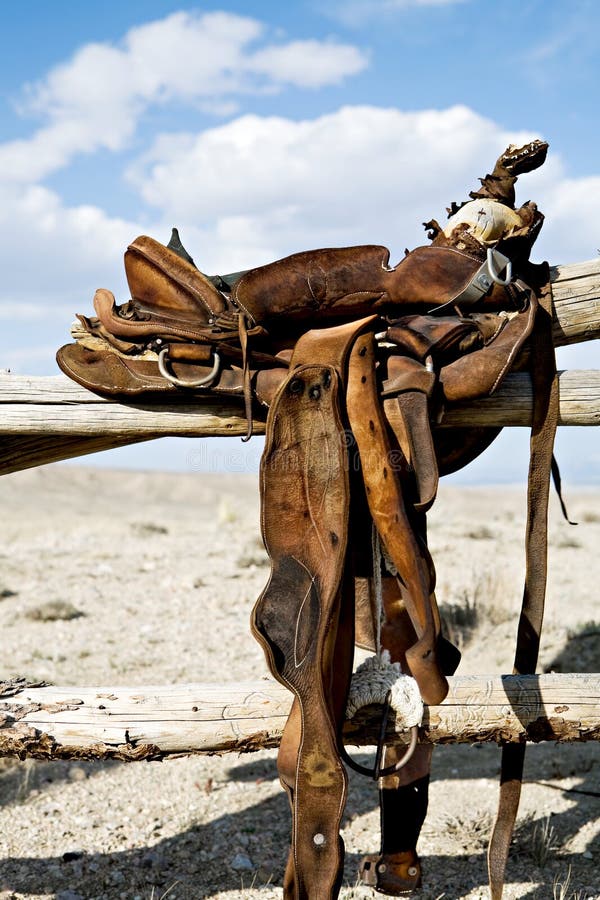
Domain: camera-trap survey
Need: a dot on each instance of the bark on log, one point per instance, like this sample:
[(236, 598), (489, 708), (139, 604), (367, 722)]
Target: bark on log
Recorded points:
[(132, 723)]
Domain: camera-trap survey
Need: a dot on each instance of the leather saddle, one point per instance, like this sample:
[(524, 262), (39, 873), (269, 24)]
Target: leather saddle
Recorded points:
[(355, 360)]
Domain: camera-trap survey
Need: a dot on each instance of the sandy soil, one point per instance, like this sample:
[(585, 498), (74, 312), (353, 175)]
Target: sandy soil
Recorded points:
[(153, 578)]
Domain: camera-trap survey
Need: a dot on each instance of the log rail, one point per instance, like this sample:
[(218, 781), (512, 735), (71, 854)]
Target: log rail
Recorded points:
[(48, 419), (134, 723)]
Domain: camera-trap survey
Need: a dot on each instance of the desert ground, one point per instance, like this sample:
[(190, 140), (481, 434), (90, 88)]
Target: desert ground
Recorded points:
[(112, 577)]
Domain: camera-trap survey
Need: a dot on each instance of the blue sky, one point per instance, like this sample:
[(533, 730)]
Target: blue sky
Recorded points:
[(260, 129)]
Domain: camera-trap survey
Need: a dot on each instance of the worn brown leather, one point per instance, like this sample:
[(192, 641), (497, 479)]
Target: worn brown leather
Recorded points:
[(304, 521), (352, 282), (486, 367), (132, 377), (160, 279), (355, 360), (387, 508), (393, 874)]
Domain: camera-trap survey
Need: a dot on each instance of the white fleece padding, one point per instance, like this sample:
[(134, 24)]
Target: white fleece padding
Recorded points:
[(371, 683)]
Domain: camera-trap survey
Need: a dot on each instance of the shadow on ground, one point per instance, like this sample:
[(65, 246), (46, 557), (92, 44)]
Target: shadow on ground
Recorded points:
[(197, 859)]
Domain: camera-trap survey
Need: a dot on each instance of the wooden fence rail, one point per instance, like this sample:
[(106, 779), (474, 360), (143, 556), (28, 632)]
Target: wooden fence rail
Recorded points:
[(47, 419), (133, 723)]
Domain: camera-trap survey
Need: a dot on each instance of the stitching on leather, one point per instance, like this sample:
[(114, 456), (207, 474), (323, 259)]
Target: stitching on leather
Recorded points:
[(502, 324), (324, 273), (243, 307)]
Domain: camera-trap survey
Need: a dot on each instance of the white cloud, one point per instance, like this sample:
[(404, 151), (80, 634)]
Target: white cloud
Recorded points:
[(53, 255), (571, 208), (361, 174), (257, 188), (96, 99), (309, 63), (355, 12)]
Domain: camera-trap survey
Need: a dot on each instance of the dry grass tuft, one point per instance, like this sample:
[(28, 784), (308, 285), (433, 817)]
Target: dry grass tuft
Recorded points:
[(469, 832), (145, 529), (54, 611), (460, 621), (568, 542), (481, 533), (165, 894), (482, 603), (561, 889), (537, 839)]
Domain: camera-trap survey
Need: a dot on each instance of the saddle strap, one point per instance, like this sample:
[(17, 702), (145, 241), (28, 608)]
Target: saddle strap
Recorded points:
[(545, 420), (305, 617), (389, 513)]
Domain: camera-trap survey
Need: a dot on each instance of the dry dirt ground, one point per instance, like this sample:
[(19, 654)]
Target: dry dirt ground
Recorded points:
[(151, 579)]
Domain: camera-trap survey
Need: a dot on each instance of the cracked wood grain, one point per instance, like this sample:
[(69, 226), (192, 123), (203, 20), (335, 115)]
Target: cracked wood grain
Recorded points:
[(156, 722)]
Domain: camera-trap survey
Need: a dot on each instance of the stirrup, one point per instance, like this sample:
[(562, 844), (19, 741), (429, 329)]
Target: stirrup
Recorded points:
[(394, 874)]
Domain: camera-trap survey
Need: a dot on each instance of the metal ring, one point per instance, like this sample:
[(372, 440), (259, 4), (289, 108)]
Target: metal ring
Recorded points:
[(377, 772), (494, 274), (389, 770), (179, 382)]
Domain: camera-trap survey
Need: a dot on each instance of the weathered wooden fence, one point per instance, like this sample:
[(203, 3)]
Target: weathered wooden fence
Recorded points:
[(48, 419), (155, 722)]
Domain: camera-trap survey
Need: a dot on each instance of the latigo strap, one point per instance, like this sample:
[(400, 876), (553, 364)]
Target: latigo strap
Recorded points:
[(545, 419)]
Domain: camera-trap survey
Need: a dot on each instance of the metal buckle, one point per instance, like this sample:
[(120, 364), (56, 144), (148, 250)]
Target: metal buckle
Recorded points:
[(486, 275), (179, 382), (505, 263)]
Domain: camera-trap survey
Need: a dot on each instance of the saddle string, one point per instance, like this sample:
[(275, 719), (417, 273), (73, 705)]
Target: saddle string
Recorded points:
[(247, 387), (557, 482), (379, 680), (376, 556)]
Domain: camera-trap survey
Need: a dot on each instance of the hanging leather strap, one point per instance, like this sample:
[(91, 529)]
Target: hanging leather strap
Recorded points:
[(545, 419), (304, 618), (305, 503), (391, 517)]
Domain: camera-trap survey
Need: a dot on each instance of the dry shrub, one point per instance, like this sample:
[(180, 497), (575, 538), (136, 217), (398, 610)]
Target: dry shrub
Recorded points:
[(537, 839), (481, 533), (146, 529), (483, 602), (561, 889), (471, 833), (54, 611)]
